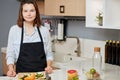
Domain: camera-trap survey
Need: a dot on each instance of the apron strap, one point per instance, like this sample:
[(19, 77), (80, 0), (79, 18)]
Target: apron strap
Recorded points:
[(21, 37), (40, 34)]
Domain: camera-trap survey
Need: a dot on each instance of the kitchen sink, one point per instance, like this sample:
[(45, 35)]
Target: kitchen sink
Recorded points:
[(63, 58), (70, 62)]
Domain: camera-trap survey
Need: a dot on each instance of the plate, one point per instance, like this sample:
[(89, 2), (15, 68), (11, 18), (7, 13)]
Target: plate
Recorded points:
[(32, 76)]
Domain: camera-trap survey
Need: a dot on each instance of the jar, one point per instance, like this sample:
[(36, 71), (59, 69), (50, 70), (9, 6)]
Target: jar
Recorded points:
[(72, 75)]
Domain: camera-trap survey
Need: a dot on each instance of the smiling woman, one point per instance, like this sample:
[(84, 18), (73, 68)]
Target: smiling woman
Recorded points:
[(30, 48)]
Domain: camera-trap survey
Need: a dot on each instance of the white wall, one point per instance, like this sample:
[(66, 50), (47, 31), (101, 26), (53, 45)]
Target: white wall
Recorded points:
[(77, 28)]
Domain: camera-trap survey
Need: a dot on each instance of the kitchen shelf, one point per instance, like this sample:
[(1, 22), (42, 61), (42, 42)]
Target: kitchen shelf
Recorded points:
[(110, 12)]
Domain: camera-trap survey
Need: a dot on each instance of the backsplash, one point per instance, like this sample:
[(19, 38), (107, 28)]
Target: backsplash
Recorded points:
[(86, 48)]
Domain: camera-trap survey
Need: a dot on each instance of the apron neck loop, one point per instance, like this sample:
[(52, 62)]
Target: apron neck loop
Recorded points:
[(40, 34)]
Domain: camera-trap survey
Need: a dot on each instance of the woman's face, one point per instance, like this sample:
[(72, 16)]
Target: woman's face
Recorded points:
[(29, 12)]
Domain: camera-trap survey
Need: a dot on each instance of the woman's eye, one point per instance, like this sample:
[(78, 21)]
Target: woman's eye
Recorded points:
[(29, 11), (32, 10), (25, 11)]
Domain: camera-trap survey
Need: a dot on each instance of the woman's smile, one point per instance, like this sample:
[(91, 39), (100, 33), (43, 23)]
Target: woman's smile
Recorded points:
[(29, 12)]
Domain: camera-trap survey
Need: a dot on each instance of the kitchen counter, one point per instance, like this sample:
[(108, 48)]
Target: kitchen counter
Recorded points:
[(111, 72)]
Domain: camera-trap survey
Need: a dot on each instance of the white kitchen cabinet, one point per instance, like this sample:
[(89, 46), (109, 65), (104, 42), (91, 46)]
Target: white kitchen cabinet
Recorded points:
[(110, 12), (65, 7)]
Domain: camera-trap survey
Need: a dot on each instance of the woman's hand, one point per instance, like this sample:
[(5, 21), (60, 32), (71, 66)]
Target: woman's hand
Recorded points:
[(11, 72), (49, 69)]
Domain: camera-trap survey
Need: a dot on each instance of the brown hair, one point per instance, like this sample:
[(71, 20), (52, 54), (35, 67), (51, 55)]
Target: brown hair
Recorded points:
[(37, 20)]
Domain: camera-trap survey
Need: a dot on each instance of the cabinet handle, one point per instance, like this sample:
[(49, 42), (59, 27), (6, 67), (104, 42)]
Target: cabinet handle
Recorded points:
[(62, 9)]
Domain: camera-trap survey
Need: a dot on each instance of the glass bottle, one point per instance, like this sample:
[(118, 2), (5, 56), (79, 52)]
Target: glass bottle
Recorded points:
[(106, 51), (97, 59), (110, 52), (118, 53), (114, 52)]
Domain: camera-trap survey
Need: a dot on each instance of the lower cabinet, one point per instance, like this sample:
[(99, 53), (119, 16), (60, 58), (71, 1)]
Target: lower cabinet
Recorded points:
[(4, 65)]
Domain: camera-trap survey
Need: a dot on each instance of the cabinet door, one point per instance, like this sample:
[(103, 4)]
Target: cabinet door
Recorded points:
[(65, 7), (52, 7), (112, 14), (75, 7), (41, 6)]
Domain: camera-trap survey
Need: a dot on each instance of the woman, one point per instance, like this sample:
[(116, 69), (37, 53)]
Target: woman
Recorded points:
[(29, 45)]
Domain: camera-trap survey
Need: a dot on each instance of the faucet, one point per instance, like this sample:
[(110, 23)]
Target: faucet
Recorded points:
[(78, 45), (77, 51)]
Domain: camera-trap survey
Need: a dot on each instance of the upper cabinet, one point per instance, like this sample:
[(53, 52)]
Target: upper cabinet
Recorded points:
[(103, 14), (41, 6), (64, 7)]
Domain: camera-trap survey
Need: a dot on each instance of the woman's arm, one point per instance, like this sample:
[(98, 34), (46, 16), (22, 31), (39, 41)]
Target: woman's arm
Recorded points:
[(49, 68), (10, 53), (49, 63), (49, 54), (48, 46), (10, 57)]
